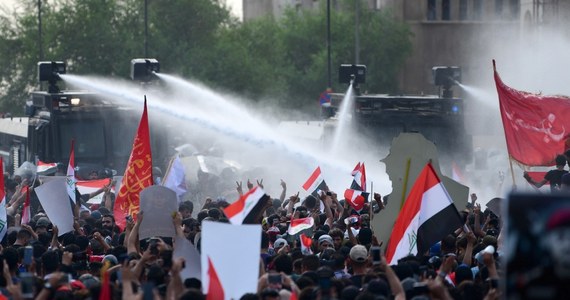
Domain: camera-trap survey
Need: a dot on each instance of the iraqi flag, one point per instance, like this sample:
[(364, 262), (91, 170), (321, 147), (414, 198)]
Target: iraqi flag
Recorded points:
[(315, 183), (3, 213), (428, 216), (86, 187), (306, 243), (247, 207), (299, 225), (356, 198), (26, 212), (46, 168), (359, 174), (71, 181)]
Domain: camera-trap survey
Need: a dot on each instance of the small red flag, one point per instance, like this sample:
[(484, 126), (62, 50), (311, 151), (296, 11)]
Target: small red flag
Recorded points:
[(215, 289), (138, 174)]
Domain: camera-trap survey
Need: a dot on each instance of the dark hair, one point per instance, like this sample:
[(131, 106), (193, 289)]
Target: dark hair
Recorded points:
[(202, 215), (214, 213), (311, 262), (11, 256), (310, 202), (23, 233), (50, 261), (560, 160), (109, 216), (192, 294), (186, 205), (283, 263)]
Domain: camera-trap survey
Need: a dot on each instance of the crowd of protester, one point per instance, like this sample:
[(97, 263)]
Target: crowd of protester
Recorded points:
[(37, 264)]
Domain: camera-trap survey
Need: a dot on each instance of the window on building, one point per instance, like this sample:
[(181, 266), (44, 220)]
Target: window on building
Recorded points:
[(462, 9), (445, 10), (431, 14), (477, 9)]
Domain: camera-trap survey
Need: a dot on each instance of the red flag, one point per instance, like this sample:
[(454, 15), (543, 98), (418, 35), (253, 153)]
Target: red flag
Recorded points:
[(315, 183), (428, 215), (215, 289), (359, 174), (536, 127), (355, 198), (306, 243), (26, 213), (138, 174)]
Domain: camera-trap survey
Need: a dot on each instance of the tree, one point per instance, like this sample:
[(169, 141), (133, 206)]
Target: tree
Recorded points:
[(284, 60)]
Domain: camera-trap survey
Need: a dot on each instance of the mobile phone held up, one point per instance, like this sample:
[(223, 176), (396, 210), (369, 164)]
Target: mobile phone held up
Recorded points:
[(376, 253)]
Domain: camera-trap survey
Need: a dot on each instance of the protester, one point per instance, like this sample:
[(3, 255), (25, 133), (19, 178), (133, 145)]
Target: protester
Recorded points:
[(99, 260)]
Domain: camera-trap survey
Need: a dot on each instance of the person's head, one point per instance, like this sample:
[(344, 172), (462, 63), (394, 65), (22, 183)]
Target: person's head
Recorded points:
[(325, 242), (190, 227), (23, 237), (279, 244), (214, 213), (50, 261), (358, 256), (94, 174), (310, 263), (337, 237), (283, 263), (108, 222), (186, 208), (560, 161), (310, 202)]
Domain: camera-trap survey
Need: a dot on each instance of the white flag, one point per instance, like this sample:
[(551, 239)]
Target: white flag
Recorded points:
[(175, 177)]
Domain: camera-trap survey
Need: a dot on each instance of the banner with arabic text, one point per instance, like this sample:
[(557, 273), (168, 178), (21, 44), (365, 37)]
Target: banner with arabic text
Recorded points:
[(536, 127)]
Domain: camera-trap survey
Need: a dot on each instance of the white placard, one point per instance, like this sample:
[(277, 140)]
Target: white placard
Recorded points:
[(235, 254), (55, 201), (183, 248)]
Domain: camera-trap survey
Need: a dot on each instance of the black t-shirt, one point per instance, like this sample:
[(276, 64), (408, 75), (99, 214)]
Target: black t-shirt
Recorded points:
[(554, 177)]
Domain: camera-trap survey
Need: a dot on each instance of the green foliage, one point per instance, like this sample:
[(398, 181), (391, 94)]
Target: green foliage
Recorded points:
[(284, 60)]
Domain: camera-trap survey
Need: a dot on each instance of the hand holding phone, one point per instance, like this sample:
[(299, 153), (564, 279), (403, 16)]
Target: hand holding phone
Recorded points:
[(376, 255)]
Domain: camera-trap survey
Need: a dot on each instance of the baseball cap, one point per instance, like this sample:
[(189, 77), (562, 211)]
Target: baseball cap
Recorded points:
[(325, 238), (279, 243), (358, 253)]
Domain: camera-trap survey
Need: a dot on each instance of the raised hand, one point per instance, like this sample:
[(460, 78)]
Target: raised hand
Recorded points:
[(239, 187)]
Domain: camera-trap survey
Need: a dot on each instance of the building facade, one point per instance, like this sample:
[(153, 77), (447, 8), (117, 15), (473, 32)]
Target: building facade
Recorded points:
[(464, 33)]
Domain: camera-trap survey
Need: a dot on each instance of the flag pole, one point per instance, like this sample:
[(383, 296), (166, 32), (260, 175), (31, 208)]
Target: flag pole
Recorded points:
[(512, 172), (168, 168), (371, 193), (405, 185)]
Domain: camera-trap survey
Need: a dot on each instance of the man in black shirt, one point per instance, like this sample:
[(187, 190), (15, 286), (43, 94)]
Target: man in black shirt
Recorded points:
[(553, 177)]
